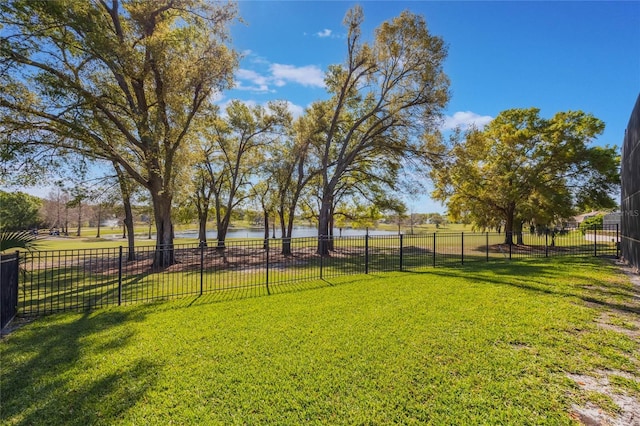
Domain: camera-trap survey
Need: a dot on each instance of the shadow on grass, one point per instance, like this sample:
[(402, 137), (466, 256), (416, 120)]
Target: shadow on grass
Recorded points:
[(544, 277), (242, 293), (44, 385), (248, 292)]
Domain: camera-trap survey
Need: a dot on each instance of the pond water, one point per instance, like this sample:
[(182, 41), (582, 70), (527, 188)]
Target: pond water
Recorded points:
[(300, 231)]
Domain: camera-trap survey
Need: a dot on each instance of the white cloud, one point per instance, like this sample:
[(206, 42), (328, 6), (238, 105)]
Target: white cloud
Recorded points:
[(257, 82), (324, 33), (308, 75), (262, 76), (262, 88), (295, 110), (465, 119), (245, 74)]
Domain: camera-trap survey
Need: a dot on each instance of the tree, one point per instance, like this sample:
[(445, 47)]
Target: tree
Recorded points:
[(127, 188), (122, 81), (55, 210), (19, 211), (522, 167), (104, 196), (591, 223), (381, 97), (239, 140), (204, 183), (290, 171), (262, 192), (78, 195), (51, 210), (436, 219)]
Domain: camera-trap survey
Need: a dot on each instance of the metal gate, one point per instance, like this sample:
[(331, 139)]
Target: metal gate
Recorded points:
[(8, 287)]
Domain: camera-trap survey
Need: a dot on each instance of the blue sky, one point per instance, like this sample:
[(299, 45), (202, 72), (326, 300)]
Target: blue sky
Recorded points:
[(556, 56)]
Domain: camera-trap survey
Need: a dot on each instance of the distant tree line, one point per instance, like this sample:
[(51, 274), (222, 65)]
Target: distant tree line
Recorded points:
[(59, 213)]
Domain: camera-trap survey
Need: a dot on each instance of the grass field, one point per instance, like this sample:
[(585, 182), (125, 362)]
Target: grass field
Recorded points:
[(481, 344)]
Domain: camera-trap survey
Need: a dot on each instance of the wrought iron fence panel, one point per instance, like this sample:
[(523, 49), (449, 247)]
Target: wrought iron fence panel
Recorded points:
[(85, 279)]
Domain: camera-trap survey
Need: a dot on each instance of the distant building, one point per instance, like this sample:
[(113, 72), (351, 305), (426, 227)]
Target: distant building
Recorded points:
[(611, 220), (575, 221)]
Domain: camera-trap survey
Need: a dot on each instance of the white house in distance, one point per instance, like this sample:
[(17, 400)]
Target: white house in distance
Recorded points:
[(575, 221)]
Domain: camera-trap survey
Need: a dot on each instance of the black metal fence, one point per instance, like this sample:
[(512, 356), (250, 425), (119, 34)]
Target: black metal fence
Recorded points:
[(86, 279), (8, 287)]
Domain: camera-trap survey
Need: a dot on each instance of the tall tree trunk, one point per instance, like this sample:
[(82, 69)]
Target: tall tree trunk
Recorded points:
[(287, 232), (517, 230), (58, 221), (222, 233), (330, 241), (273, 231), (202, 228), (128, 224), (323, 226), (222, 236), (508, 225), (266, 227), (164, 254), (125, 192), (203, 198), (99, 219), (79, 232), (203, 215)]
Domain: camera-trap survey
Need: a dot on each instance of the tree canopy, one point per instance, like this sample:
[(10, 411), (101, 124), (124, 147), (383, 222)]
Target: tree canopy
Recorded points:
[(19, 211), (131, 84), (385, 94), (525, 168), (122, 81)]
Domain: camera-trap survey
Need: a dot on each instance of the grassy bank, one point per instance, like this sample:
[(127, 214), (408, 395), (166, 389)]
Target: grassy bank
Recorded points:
[(484, 344)]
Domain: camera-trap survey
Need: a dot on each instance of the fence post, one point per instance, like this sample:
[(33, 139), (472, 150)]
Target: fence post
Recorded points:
[(595, 242), (462, 248), (201, 266), (17, 281), (617, 241), (401, 251), (120, 276), (487, 244), (434, 249), (267, 267), (366, 252), (321, 256)]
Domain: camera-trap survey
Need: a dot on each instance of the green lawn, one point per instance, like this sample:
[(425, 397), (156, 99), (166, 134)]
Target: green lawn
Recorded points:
[(480, 344)]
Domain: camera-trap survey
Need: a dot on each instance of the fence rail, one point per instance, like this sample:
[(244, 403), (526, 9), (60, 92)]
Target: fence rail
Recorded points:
[(76, 280)]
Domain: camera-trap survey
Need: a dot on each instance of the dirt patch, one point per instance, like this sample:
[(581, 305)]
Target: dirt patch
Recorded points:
[(628, 324), (628, 406), (590, 414)]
